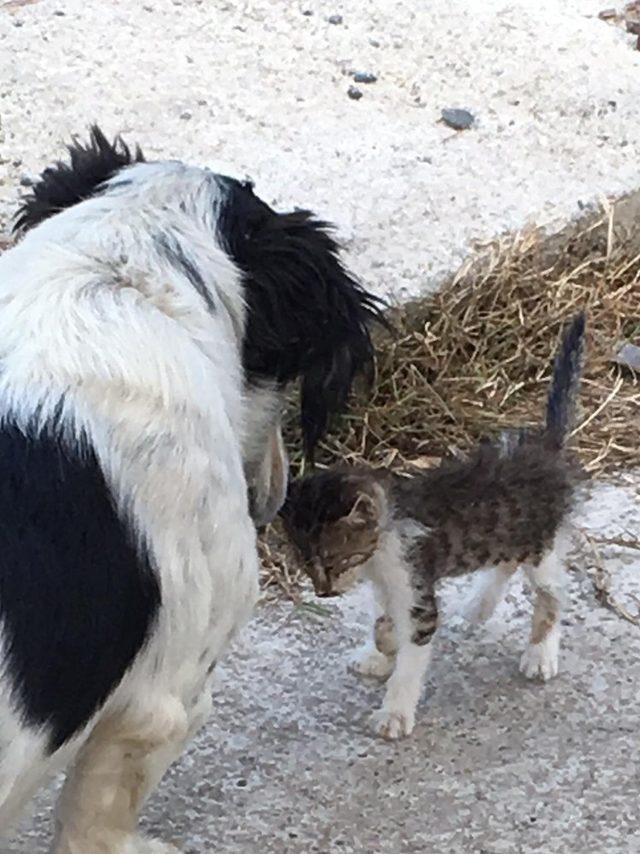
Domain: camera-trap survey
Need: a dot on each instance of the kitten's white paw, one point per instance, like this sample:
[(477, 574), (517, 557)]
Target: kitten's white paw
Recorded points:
[(394, 723), (540, 660), (487, 591), (156, 847), (142, 845), (478, 611), (371, 663), (115, 843)]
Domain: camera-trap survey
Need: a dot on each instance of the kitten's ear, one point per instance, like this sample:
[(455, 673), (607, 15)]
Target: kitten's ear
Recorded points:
[(367, 509)]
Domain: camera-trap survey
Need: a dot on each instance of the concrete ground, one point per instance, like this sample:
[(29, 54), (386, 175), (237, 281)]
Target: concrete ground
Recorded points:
[(288, 762), (496, 765), (260, 87)]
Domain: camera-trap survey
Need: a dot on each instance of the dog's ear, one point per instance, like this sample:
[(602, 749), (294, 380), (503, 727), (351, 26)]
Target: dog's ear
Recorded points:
[(65, 184), (307, 317)]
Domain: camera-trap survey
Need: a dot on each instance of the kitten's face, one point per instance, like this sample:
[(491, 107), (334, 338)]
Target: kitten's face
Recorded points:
[(338, 554), (334, 520)]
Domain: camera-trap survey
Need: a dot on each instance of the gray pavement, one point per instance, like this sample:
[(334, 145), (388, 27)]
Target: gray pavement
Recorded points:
[(496, 765)]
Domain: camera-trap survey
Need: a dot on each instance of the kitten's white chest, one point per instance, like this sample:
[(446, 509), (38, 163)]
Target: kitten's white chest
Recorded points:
[(391, 580)]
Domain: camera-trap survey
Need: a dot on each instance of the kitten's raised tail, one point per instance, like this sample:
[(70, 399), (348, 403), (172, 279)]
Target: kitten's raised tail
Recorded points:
[(561, 403)]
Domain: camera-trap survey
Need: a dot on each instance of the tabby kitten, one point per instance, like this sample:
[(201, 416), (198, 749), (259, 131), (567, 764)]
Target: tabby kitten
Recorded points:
[(505, 506)]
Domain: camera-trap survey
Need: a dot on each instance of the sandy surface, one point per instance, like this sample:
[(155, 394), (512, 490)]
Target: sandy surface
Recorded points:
[(260, 88), (496, 765)]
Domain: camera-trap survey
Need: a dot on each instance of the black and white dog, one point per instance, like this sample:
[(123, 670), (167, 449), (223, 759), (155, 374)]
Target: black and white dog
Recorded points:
[(151, 318)]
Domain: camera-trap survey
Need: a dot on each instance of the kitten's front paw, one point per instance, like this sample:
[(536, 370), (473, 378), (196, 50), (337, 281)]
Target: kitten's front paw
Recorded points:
[(393, 724), (154, 846), (371, 663), (540, 660), (116, 844)]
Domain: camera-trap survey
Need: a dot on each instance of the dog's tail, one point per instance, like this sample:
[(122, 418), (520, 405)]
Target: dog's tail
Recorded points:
[(567, 368)]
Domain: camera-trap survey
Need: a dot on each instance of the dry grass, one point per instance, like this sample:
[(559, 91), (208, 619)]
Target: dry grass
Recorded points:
[(475, 358), (592, 564)]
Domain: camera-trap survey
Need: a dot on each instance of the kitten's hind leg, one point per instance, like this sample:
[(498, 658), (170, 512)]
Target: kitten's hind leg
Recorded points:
[(487, 591), (540, 659)]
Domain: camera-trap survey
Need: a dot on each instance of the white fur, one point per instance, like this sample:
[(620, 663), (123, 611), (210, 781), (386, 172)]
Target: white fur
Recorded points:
[(488, 589), (397, 716), (389, 574), (90, 310), (370, 662), (540, 660)]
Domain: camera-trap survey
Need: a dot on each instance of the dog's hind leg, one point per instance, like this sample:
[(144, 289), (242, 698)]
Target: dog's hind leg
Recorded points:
[(24, 765), (122, 761)]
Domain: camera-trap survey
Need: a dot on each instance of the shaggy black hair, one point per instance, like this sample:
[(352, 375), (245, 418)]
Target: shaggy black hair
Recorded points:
[(66, 184), (307, 316)]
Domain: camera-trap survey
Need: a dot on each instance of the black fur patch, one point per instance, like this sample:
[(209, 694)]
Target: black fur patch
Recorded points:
[(66, 184), (77, 602), (172, 249), (307, 316)]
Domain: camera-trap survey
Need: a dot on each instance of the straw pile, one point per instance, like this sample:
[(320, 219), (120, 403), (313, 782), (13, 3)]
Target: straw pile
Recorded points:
[(475, 358)]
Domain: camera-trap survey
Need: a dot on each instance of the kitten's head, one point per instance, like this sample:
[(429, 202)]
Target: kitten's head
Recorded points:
[(334, 518)]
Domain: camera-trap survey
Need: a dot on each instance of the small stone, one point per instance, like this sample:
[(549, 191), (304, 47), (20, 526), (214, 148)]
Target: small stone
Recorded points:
[(16, 163), (148, 8), (59, 13), (458, 119), (307, 12), (354, 93), (628, 354), (607, 14), (364, 77), (202, 102), (27, 181), (335, 19), (186, 115)]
